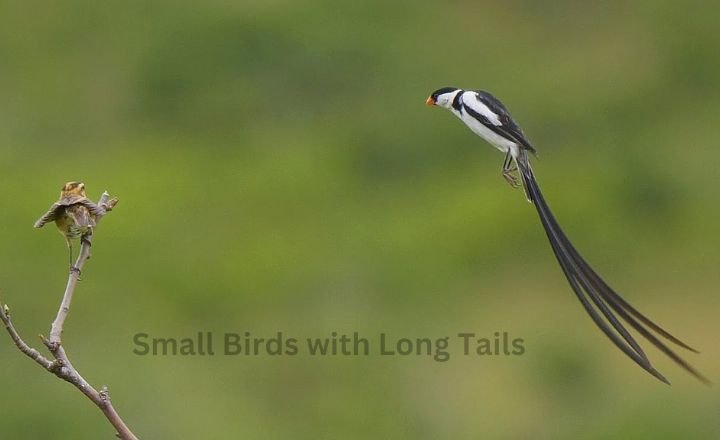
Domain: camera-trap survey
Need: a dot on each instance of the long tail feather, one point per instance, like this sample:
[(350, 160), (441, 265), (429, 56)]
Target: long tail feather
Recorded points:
[(587, 284)]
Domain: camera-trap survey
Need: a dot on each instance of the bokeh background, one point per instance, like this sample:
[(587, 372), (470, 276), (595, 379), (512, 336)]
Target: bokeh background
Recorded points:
[(278, 171)]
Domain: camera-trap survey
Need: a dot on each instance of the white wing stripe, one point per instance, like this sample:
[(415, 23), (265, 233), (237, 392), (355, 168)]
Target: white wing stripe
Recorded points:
[(471, 100)]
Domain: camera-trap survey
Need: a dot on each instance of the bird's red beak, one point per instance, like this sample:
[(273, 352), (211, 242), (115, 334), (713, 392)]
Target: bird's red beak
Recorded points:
[(430, 101)]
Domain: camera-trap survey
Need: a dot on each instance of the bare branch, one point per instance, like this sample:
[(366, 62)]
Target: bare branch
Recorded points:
[(22, 345), (61, 365)]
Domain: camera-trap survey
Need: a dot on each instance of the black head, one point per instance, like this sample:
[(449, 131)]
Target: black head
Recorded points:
[(437, 96)]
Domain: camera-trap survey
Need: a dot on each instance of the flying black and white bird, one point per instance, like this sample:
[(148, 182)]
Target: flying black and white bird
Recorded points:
[(487, 117)]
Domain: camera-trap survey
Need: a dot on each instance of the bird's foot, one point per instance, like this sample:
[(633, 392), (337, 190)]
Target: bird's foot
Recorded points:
[(511, 177)]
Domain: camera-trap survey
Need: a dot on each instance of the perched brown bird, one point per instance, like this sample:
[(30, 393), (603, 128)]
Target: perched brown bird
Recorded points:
[(74, 214)]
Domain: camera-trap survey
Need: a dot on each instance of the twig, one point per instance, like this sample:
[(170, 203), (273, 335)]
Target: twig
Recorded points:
[(61, 365), (22, 345)]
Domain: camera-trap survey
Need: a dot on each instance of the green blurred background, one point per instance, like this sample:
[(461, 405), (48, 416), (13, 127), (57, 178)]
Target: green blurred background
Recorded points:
[(278, 171)]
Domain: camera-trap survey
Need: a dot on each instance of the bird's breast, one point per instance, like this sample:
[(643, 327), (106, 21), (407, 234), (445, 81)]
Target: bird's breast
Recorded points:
[(490, 136), (74, 221)]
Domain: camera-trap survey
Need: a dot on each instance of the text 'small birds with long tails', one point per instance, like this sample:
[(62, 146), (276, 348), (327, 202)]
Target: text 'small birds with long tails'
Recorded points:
[(73, 214), (487, 117)]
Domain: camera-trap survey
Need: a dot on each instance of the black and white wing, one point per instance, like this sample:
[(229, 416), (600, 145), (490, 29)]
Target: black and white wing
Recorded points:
[(492, 113)]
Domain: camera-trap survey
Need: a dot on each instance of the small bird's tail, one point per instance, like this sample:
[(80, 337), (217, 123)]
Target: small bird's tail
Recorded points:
[(591, 290)]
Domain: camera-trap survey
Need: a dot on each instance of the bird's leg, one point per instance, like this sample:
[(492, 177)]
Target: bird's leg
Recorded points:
[(509, 169), (69, 245), (72, 266), (70, 249)]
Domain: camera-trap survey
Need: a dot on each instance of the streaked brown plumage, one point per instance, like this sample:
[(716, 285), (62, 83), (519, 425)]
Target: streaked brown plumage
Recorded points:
[(74, 214)]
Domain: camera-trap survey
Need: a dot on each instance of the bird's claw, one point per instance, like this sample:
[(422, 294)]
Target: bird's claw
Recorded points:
[(511, 179)]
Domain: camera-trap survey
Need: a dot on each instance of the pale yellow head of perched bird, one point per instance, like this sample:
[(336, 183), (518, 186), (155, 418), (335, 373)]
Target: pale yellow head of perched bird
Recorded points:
[(73, 189)]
